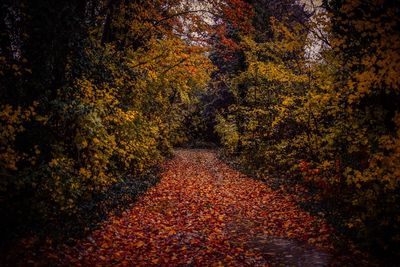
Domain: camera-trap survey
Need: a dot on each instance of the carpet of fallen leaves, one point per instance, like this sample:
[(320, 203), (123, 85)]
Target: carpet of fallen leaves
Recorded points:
[(202, 213)]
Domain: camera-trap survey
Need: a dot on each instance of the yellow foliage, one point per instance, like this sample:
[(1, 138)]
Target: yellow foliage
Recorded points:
[(11, 124)]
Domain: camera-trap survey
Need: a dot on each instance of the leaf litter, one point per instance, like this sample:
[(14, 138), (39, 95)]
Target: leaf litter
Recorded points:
[(201, 213)]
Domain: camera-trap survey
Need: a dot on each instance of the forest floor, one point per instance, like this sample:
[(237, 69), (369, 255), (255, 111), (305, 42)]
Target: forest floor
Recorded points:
[(204, 213)]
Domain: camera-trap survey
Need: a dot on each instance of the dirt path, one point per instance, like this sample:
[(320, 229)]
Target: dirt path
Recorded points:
[(204, 213)]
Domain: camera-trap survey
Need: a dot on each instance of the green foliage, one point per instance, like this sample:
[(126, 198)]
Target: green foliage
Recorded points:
[(228, 132)]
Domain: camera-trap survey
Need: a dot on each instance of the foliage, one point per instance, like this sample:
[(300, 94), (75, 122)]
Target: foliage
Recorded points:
[(108, 102), (328, 113), (94, 91)]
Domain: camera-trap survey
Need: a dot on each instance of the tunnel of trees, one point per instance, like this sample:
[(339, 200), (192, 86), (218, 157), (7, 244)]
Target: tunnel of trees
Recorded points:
[(95, 94)]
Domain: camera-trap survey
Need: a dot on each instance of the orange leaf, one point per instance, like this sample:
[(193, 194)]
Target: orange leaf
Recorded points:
[(139, 244)]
